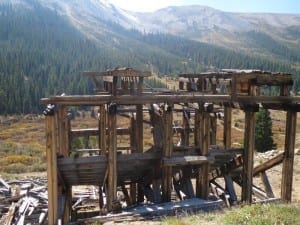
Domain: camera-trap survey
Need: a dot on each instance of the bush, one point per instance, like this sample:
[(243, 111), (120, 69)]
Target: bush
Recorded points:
[(263, 131)]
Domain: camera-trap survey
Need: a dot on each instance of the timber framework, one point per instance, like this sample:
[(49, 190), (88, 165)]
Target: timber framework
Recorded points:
[(182, 157)]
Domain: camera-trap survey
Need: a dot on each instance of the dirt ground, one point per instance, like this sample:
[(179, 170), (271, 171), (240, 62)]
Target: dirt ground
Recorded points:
[(274, 174)]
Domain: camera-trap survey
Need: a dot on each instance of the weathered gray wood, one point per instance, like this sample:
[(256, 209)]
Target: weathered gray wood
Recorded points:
[(186, 160), (267, 185), (230, 189), (288, 160)]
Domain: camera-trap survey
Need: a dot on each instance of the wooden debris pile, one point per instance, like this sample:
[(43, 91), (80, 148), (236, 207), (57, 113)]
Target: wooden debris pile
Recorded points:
[(23, 202)]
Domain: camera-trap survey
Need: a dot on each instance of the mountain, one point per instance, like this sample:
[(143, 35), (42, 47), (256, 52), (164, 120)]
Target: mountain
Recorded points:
[(244, 32), (46, 44)]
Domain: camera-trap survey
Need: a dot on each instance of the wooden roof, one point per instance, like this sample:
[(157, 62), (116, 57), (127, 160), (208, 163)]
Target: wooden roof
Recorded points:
[(119, 72), (255, 76)]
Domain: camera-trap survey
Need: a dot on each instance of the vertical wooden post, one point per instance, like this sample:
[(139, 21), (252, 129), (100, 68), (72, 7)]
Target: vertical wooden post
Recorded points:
[(199, 129), (112, 156), (133, 189), (227, 127), (227, 144), (185, 135), (288, 160), (102, 130), (204, 178), (102, 144), (167, 152), (213, 130), (115, 85), (139, 132), (51, 169), (248, 157)]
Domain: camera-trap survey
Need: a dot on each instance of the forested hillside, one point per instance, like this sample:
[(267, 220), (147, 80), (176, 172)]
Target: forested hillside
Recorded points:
[(42, 54)]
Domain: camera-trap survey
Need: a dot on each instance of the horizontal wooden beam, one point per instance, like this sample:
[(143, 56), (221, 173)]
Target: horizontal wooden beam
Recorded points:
[(132, 100), (95, 131), (168, 98), (187, 160), (122, 72)]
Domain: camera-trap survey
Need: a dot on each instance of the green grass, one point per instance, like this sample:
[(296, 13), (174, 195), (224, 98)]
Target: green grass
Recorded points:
[(266, 214)]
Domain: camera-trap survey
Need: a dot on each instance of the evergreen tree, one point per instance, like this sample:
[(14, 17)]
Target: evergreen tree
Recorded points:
[(263, 131)]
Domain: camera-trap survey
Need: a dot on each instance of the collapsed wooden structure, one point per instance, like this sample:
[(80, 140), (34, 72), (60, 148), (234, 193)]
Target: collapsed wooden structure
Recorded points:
[(191, 159)]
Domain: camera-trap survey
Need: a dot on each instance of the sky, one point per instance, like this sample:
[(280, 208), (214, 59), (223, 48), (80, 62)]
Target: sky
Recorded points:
[(269, 6)]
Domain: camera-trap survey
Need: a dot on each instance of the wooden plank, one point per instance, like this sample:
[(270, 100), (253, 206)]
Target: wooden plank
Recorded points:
[(185, 134), (268, 164), (95, 131), (112, 157), (167, 152), (51, 169), (122, 72), (230, 189), (205, 168), (199, 137), (288, 160), (145, 99), (186, 160), (227, 127), (247, 174), (102, 130), (140, 140), (267, 185)]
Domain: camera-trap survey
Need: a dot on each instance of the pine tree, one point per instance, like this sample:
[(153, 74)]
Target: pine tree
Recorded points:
[(263, 131)]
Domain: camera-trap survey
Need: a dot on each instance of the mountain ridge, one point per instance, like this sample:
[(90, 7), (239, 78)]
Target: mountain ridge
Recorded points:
[(46, 45)]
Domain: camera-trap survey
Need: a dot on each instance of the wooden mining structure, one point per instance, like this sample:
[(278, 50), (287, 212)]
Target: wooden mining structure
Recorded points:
[(191, 164)]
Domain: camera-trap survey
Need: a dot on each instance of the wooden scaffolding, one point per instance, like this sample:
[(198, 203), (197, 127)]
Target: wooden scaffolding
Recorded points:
[(153, 173)]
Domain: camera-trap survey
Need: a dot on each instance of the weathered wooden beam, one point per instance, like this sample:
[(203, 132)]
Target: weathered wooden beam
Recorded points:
[(204, 170), (268, 164), (51, 146), (142, 99), (95, 132), (102, 130), (185, 134), (167, 152), (267, 185), (121, 72), (227, 127), (186, 160), (112, 157), (140, 134), (288, 160), (247, 174)]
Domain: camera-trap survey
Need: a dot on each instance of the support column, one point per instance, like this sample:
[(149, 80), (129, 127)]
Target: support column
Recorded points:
[(102, 130), (185, 135), (139, 133), (167, 152), (133, 189), (247, 175), (51, 146), (112, 157), (204, 178), (227, 127), (202, 136), (102, 141), (288, 156)]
